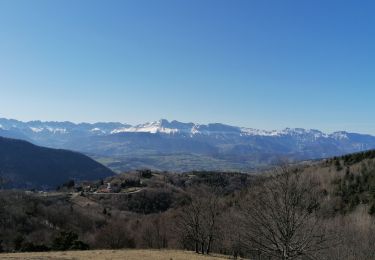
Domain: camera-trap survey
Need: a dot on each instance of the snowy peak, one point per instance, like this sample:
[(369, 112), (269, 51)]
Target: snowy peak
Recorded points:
[(304, 132), (58, 128), (339, 135), (161, 126), (164, 126)]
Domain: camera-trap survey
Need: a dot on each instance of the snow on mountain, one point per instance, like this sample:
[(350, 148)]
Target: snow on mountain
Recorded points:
[(37, 129), (256, 132), (163, 126), (97, 130), (49, 129), (231, 145), (151, 127), (339, 135), (174, 127)]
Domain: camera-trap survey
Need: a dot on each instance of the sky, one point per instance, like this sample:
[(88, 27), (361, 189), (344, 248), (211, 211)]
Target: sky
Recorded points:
[(252, 63)]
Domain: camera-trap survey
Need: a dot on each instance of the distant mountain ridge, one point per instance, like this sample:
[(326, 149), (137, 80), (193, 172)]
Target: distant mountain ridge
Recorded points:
[(162, 126), (177, 146)]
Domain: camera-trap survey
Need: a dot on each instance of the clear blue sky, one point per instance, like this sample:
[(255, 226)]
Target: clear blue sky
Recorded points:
[(262, 64)]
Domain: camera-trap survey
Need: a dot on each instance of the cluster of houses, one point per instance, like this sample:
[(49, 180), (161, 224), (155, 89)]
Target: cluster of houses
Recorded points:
[(89, 187), (116, 184)]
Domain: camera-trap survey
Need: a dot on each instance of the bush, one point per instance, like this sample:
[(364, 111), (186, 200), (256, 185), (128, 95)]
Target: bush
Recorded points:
[(371, 210), (115, 235), (79, 245), (30, 247), (18, 241), (150, 202), (131, 183), (147, 174), (338, 165), (68, 241)]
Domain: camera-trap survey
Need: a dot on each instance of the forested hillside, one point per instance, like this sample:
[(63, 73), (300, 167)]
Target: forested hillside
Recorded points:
[(323, 210)]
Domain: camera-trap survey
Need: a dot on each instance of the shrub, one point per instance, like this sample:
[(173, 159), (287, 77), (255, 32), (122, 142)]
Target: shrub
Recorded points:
[(371, 210), (68, 240), (146, 173), (30, 247)]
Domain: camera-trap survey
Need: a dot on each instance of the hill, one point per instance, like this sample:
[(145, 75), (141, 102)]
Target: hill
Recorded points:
[(24, 165)]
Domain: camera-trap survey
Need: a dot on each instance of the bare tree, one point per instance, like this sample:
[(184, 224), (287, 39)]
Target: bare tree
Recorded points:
[(154, 233), (198, 222), (211, 214), (190, 224), (115, 235), (280, 220), (232, 235)]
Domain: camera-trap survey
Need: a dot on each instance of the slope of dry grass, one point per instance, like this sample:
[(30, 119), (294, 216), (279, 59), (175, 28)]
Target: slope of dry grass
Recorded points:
[(113, 255)]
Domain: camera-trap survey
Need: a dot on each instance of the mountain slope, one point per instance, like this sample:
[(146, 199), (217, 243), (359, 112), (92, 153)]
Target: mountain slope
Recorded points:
[(23, 164)]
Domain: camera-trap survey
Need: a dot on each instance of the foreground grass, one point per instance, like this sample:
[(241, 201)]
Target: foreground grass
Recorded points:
[(113, 255)]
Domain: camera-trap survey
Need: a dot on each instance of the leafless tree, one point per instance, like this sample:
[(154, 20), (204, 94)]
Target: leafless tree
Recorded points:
[(232, 235), (280, 220), (198, 222), (211, 214), (190, 224), (154, 233), (115, 235)]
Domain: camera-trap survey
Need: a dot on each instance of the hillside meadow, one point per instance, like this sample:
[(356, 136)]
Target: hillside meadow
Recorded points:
[(113, 255)]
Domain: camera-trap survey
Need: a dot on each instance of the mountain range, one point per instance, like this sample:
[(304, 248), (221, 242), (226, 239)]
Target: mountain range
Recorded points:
[(177, 146)]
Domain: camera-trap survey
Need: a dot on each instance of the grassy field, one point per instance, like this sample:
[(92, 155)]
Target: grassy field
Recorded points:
[(113, 255)]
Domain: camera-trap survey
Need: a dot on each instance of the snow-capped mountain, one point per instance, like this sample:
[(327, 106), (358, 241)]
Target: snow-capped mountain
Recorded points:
[(174, 127), (173, 145), (162, 126)]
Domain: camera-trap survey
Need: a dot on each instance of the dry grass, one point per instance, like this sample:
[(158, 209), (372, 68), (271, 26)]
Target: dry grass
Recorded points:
[(113, 255)]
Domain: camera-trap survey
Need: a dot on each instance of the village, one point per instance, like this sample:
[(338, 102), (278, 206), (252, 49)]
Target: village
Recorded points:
[(122, 183)]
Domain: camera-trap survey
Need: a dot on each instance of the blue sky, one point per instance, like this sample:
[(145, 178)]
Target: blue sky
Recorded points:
[(262, 64)]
